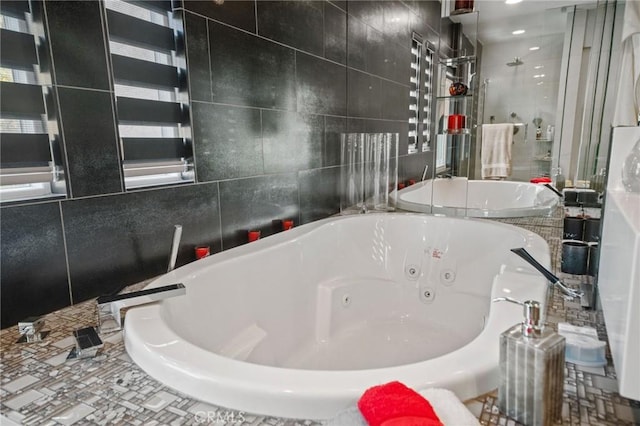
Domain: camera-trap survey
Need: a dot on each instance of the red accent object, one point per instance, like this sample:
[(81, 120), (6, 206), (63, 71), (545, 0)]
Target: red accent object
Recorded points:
[(455, 123), (540, 180), (287, 224), (254, 235), (202, 251), (401, 185), (411, 182), (463, 6), (389, 404)]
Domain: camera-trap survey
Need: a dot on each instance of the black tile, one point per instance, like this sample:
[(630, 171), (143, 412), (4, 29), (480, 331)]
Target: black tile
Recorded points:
[(342, 5), (78, 43), (227, 140), (396, 17), (335, 33), (295, 23), (34, 272), (369, 11), (364, 95), (375, 53), (397, 65), (197, 42), (334, 127), (357, 44), (254, 203), (412, 166), (396, 101), (319, 193), (291, 141), (135, 233), (321, 86), (90, 140), (250, 71), (238, 13), (430, 13), (355, 125)]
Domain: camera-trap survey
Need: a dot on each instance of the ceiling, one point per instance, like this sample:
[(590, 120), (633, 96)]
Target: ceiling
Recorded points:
[(496, 20)]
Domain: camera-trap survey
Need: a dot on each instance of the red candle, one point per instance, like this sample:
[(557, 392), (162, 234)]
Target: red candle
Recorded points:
[(287, 224), (254, 235), (202, 251)]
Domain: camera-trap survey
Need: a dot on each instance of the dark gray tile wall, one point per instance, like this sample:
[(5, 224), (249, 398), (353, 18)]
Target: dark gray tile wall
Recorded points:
[(272, 85)]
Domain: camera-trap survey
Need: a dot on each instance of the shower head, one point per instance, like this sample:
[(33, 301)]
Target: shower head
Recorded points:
[(516, 61)]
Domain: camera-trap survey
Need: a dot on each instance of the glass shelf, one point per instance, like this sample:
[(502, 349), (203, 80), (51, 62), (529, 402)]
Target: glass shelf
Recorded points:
[(457, 133), (455, 98), (457, 61)]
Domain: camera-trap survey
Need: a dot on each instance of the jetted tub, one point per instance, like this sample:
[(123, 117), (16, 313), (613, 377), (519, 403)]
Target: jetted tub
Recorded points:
[(477, 198), (299, 324)]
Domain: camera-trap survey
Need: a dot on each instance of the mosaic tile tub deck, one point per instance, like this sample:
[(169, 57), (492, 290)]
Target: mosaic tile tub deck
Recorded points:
[(39, 387)]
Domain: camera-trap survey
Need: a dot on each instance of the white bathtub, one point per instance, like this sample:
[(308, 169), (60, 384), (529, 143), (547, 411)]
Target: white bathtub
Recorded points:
[(301, 323), (477, 198)]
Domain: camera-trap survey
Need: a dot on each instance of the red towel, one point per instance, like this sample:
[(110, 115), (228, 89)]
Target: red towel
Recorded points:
[(394, 404), (541, 179)]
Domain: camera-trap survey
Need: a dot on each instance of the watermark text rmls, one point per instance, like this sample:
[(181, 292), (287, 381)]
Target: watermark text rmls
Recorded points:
[(219, 417)]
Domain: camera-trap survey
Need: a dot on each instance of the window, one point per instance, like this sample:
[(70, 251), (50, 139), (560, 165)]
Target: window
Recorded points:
[(420, 94), (151, 97), (429, 52), (414, 93), (30, 156)]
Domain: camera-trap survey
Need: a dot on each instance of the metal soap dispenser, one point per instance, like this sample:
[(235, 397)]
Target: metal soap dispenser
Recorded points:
[(531, 369)]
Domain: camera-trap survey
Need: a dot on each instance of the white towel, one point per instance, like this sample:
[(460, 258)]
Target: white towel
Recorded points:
[(628, 100), (495, 155)]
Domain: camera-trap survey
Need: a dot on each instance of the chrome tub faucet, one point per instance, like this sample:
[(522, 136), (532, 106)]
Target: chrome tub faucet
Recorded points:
[(110, 307)]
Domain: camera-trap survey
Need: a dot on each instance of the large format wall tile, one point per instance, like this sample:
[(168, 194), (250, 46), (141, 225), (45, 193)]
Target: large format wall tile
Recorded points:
[(122, 239), (319, 193), (197, 41), (294, 23), (229, 141), (334, 128), (78, 44), (321, 86), (254, 204), (251, 71), (237, 13), (364, 95), (91, 141), (335, 33), (291, 141), (34, 272)]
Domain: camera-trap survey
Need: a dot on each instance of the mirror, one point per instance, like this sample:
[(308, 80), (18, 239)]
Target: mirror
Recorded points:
[(544, 66)]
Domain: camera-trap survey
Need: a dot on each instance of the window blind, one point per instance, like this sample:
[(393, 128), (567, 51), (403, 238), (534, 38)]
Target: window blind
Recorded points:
[(420, 94), (30, 160), (149, 73), (415, 91)]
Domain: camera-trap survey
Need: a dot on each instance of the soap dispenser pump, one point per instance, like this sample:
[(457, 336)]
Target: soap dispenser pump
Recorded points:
[(531, 369)]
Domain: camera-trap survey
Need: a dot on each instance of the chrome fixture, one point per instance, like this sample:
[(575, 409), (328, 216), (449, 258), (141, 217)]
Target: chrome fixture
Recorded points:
[(30, 330), (424, 173), (567, 293), (516, 62), (177, 234), (88, 344), (109, 307)]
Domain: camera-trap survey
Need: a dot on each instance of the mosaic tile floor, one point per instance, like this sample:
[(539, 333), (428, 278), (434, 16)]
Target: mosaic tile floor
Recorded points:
[(38, 387)]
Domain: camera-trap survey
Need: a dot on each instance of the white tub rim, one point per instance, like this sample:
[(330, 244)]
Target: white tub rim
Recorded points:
[(544, 209), (256, 379)]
